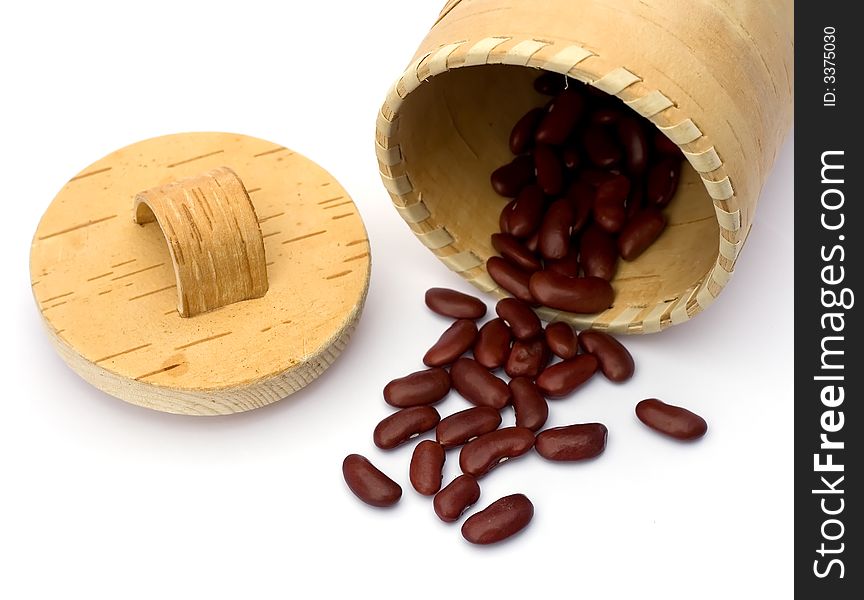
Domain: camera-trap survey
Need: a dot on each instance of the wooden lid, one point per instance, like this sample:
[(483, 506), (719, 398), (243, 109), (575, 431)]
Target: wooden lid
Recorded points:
[(256, 326)]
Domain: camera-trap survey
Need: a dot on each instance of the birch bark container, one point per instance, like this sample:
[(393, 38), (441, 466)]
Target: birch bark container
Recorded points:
[(715, 76)]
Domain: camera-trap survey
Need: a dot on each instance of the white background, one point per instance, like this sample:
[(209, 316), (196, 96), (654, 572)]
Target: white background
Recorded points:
[(100, 499)]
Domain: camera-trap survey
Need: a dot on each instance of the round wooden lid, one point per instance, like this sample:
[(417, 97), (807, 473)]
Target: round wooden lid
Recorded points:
[(111, 290)]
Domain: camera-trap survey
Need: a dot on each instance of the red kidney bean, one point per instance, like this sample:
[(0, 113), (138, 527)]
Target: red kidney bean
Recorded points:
[(493, 344), (504, 217), (510, 277), (609, 211), (508, 180), (465, 425), (522, 135), (550, 176), (480, 456), (456, 498), (527, 213), (601, 148), (581, 194), (477, 385), (573, 442), (663, 145), (605, 116), (662, 182), (571, 157), (550, 83), (555, 230), (562, 378), (562, 340), (523, 322), (451, 303), (640, 232), (528, 403), (452, 344), (418, 389), (515, 251), (584, 295), (427, 463), (368, 483), (594, 177), (673, 421), (567, 266), (564, 114), (533, 242), (615, 360), (598, 254), (632, 136), (527, 358), (636, 198), (498, 521), (404, 425)]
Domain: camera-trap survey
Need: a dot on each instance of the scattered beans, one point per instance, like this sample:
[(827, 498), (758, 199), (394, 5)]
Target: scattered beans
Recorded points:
[(615, 360), (368, 483), (427, 462), (480, 456), (457, 305), (673, 421), (562, 340), (498, 521), (456, 498), (510, 277), (418, 389), (463, 426), (530, 405), (577, 295), (523, 322), (404, 425), (452, 344), (573, 442), (493, 344), (527, 358), (477, 385), (562, 379)]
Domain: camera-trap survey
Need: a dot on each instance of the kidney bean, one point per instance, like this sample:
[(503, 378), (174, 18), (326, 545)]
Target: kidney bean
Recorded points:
[(673, 421), (601, 148), (456, 498), (509, 179), (465, 425), (663, 145), (522, 135), (533, 242), (550, 83), (636, 198), (662, 182), (567, 266), (523, 322), (452, 344), (480, 456), (368, 483), (527, 358), (582, 195), (585, 295), (598, 254), (418, 389), (477, 385), (527, 213), (564, 114), (404, 425), (605, 116), (561, 379), (632, 137), (555, 230), (571, 157), (493, 344), (515, 251), (499, 521), (550, 176), (562, 340), (510, 277), (594, 177), (451, 303), (615, 360), (427, 463), (609, 211), (528, 403), (573, 442), (640, 232), (504, 217)]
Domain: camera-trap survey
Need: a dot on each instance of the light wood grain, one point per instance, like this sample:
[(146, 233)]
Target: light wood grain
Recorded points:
[(107, 290)]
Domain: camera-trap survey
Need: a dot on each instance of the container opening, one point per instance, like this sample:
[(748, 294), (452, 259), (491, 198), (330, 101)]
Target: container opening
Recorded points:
[(454, 131)]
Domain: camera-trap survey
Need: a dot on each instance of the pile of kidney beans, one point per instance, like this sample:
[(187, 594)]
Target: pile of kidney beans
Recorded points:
[(588, 184), (541, 363)]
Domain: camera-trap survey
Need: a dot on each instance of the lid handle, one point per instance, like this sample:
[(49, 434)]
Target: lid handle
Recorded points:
[(213, 238)]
